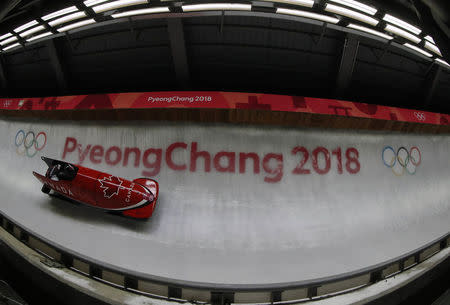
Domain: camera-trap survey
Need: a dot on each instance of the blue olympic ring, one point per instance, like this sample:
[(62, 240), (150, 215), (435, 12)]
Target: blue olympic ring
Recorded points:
[(382, 156), (20, 131)]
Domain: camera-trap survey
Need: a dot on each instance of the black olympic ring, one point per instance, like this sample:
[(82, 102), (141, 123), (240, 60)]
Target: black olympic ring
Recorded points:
[(27, 144), (403, 161)]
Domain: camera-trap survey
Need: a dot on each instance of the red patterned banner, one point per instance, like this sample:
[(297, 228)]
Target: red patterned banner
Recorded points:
[(225, 100)]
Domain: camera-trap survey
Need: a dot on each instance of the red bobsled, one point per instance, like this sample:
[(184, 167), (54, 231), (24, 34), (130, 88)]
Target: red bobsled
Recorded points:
[(135, 198)]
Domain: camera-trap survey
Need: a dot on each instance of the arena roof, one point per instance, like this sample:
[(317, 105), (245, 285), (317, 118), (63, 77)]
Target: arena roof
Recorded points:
[(383, 52)]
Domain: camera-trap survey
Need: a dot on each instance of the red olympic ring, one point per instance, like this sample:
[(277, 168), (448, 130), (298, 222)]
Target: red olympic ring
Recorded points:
[(413, 161), (36, 141)]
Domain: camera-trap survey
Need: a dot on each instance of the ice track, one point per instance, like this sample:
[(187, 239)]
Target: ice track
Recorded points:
[(231, 210)]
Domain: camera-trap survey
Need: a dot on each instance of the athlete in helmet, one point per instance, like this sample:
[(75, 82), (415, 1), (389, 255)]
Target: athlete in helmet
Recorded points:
[(61, 172)]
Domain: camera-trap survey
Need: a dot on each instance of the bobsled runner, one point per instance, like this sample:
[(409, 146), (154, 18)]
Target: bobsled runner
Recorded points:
[(136, 199)]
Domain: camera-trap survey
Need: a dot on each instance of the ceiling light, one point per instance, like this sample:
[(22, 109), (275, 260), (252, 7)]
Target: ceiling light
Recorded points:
[(442, 62), (26, 26), (358, 6), (11, 46), (32, 31), (351, 14), (402, 24), (217, 7), (307, 3), (152, 10), (418, 50), (402, 33), (93, 2), (370, 31), (310, 15), (433, 48), (60, 13), (5, 36), (39, 36), (116, 4), (6, 41), (76, 25), (67, 18), (430, 39)]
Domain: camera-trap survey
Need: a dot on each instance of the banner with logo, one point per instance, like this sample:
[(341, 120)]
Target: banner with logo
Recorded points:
[(236, 203), (225, 100)]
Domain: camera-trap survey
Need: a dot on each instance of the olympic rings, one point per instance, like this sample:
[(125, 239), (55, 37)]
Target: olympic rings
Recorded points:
[(420, 116), (30, 141), (405, 159)]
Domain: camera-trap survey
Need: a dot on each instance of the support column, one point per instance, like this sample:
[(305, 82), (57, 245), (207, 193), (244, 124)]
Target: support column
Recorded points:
[(178, 47), (347, 64)]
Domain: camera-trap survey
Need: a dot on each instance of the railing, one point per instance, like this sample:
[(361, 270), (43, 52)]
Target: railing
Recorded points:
[(164, 288)]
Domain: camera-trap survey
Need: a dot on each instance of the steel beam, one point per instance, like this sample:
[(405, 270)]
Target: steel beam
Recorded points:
[(7, 6), (3, 76), (347, 64), (178, 47)]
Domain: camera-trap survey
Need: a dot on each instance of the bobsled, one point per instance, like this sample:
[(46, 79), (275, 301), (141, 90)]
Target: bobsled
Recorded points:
[(136, 199)]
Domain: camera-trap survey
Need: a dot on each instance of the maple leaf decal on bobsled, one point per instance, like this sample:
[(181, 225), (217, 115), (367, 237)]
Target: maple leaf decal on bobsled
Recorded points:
[(76, 183), (111, 186)]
